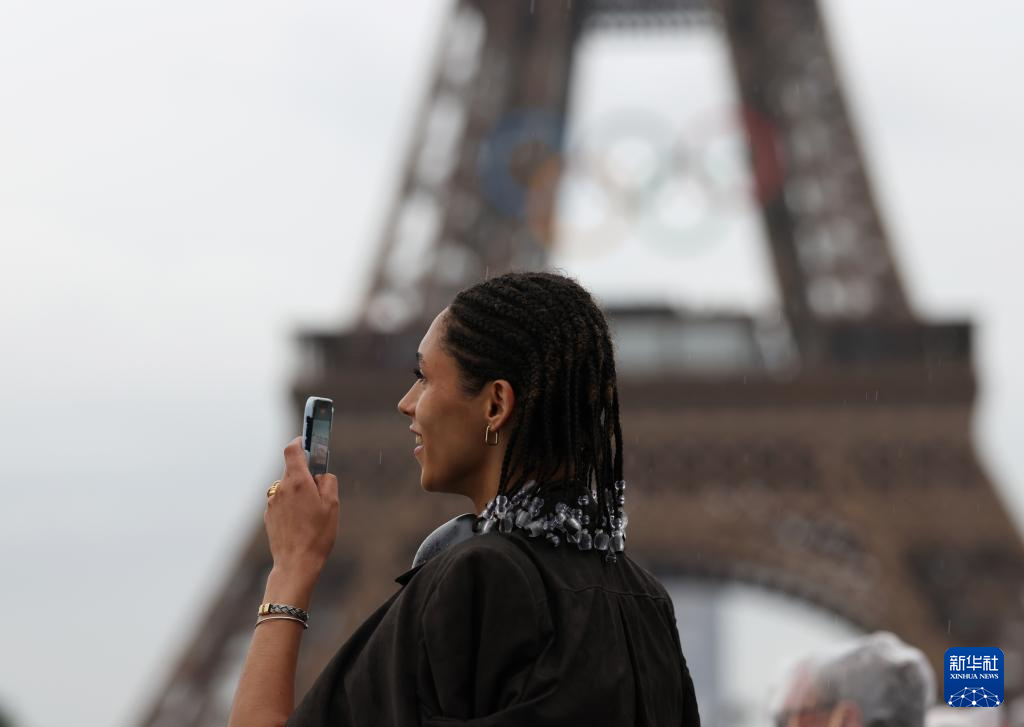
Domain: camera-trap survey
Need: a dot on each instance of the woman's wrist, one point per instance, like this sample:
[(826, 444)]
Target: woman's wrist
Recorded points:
[(291, 586)]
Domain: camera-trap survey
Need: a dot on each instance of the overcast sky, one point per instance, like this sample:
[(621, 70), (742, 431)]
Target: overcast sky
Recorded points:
[(171, 176)]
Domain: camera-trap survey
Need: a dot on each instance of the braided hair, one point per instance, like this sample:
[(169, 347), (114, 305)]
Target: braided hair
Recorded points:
[(543, 333)]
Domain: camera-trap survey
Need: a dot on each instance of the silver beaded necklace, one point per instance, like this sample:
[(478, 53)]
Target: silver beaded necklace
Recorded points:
[(578, 522)]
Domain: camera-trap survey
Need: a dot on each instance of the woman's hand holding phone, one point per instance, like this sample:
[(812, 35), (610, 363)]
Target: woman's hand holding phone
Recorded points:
[(302, 523), (302, 516)]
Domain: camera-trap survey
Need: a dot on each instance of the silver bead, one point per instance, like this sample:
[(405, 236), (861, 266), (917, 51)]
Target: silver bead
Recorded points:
[(617, 542), (554, 539), (522, 518), (487, 526), (601, 540), (505, 526), (585, 542), (535, 528), (572, 525)]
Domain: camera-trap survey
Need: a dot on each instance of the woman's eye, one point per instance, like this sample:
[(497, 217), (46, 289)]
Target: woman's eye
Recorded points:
[(418, 374)]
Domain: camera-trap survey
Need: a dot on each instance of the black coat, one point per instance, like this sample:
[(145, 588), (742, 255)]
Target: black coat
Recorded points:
[(506, 631)]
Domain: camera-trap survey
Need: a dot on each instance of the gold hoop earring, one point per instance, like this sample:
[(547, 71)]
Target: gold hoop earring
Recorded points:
[(487, 436)]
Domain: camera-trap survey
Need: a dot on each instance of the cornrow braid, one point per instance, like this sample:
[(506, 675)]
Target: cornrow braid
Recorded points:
[(545, 335)]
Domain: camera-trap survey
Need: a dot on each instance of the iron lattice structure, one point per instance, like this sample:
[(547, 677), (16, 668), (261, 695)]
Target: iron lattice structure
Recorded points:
[(845, 478)]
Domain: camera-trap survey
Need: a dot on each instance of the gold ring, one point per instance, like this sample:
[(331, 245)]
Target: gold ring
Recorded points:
[(273, 488)]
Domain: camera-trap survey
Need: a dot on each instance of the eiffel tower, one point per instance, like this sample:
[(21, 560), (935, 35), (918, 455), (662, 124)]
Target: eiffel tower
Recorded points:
[(845, 477)]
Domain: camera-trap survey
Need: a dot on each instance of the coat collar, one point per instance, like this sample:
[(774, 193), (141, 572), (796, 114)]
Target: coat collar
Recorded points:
[(454, 531), (407, 576)]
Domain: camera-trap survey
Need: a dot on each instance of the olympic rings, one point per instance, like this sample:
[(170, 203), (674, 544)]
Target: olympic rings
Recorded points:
[(677, 186)]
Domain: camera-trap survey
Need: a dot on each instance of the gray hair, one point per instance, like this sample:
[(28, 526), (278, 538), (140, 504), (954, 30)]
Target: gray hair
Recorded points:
[(891, 682)]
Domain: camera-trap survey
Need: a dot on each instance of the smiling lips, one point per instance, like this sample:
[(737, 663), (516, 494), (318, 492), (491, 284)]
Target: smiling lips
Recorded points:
[(419, 443)]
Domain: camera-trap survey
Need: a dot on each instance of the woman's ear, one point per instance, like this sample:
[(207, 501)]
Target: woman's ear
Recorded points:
[(501, 400)]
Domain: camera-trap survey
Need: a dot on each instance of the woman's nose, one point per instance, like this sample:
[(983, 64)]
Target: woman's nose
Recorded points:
[(405, 404)]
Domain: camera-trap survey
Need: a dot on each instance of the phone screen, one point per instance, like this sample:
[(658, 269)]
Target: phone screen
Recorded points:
[(319, 445), (317, 433)]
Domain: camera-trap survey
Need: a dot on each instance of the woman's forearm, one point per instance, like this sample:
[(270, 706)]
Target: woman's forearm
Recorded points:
[(266, 690)]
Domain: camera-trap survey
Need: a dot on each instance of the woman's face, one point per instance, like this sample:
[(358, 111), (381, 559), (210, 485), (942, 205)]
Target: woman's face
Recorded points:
[(453, 456)]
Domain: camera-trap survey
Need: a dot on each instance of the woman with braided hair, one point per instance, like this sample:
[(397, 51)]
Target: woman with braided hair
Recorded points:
[(527, 612)]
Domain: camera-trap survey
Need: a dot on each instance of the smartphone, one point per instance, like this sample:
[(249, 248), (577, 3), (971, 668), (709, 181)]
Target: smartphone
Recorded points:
[(316, 433)]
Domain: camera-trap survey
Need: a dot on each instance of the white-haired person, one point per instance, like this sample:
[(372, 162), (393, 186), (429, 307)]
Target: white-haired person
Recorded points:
[(874, 681)]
